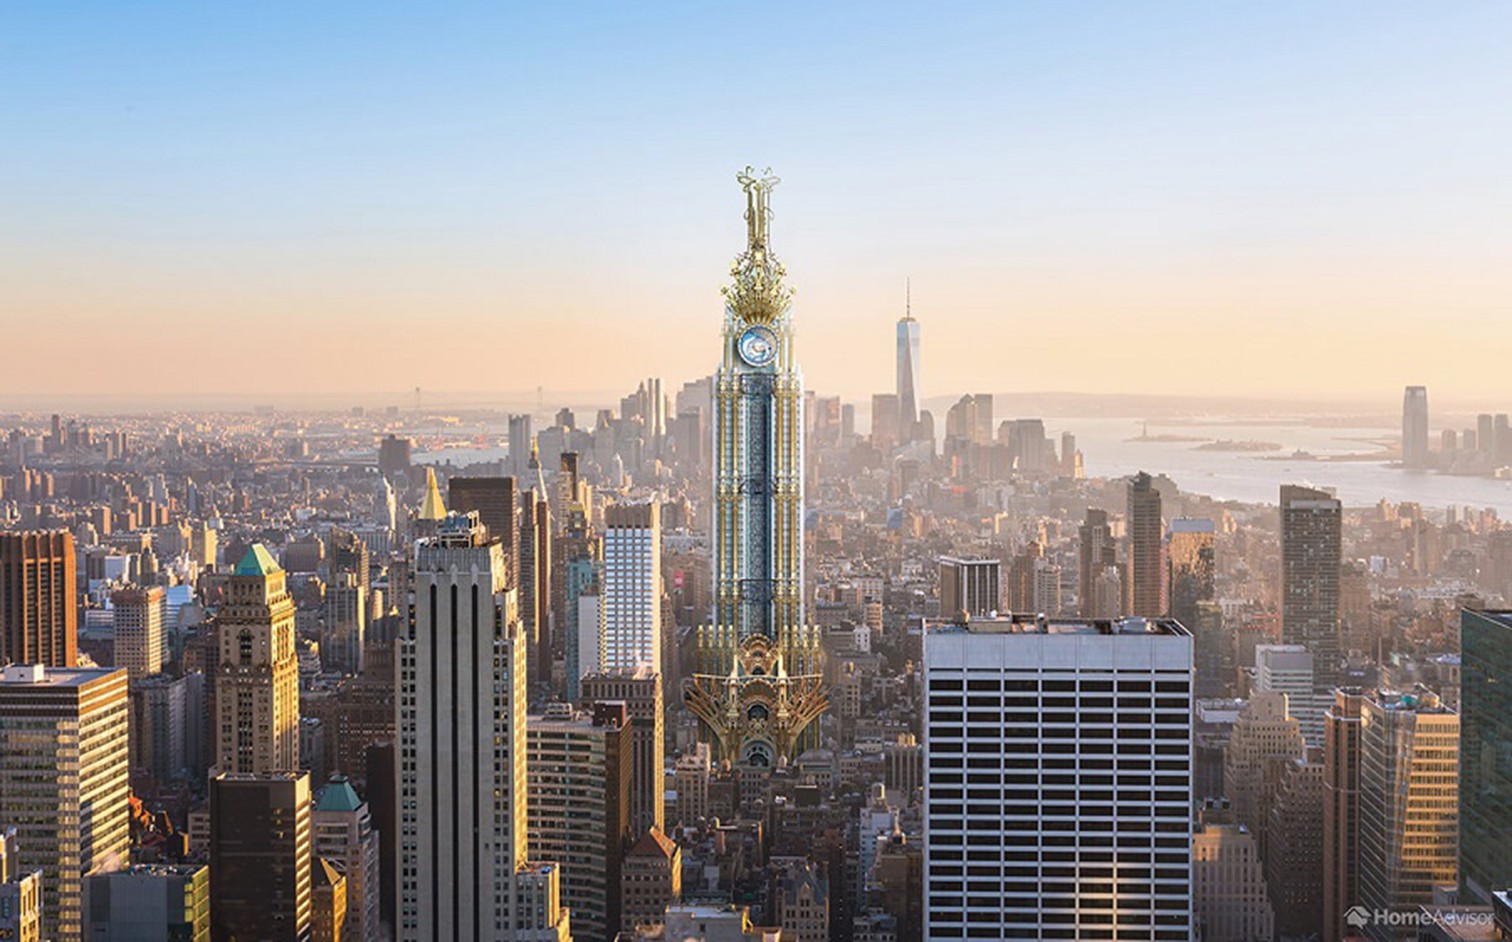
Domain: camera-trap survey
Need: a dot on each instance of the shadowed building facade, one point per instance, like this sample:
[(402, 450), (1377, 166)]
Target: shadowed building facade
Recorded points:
[(1485, 743), (260, 857)]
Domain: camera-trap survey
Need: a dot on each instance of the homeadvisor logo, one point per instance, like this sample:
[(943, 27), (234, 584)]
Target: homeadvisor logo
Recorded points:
[(1358, 917)]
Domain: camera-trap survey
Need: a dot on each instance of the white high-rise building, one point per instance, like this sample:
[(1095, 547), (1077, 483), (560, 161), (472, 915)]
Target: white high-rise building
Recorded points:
[(1058, 779), (1288, 669), (141, 644), (632, 587), (461, 729), (590, 636)]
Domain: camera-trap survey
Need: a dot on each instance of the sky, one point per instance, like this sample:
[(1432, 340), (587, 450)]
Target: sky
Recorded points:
[(1280, 200)]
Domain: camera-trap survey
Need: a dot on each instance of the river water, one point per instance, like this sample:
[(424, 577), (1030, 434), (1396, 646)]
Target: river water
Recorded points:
[(1256, 477)]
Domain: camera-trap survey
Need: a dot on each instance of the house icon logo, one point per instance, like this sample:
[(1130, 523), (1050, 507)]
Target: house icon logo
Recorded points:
[(1357, 917)]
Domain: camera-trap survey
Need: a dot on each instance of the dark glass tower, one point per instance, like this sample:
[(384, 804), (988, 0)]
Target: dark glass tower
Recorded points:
[(1485, 793), (1311, 553)]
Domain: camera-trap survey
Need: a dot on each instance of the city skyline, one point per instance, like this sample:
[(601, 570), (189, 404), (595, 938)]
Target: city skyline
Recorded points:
[(1081, 510), (1047, 180)]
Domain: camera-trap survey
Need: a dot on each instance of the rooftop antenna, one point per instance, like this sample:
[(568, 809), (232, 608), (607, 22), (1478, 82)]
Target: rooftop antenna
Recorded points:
[(908, 299)]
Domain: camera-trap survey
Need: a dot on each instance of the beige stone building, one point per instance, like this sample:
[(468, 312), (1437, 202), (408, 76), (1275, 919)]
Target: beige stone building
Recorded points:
[(1228, 882), (651, 881), (257, 685), (1264, 729)]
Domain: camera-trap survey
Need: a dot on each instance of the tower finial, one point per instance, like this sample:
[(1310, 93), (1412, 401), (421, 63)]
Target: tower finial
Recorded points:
[(757, 185), (908, 299), (758, 295)]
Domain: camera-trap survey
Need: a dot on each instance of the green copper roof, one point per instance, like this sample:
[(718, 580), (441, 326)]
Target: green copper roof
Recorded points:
[(257, 562), (338, 796)]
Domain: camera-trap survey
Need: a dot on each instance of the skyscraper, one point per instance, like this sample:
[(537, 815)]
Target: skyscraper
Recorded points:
[(1229, 897), (141, 642), (497, 505), (1485, 797), (542, 917), (1288, 669), (148, 903), (1415, 427), (1263, 731), (885, 434), (1341, 810), (1409, 808), (1294, 847), (342, 827), (160, 725), (969, 585), (1191, 561), (1034, 820), (758, 628), (64, 767), (640, 689), (534, 574), (1311, 552), (20, 893), (908, 371), (632, 586), (394, 456), (460, 716), (257, 683), (521, 441), (1193, 566), (579, 808), (260, 857), (344, 644), (650, 881), (1097, 551), (39, 603), (328, 911), (1146, 568)]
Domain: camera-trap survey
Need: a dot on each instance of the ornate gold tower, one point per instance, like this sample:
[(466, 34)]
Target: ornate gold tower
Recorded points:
[(759, 683)]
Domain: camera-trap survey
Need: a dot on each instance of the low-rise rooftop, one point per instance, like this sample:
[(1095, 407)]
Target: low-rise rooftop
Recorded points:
[(1029, 624)]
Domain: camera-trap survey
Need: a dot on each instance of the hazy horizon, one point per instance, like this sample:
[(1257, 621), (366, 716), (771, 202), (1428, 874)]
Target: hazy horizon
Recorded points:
[(1284, 202), (1059, 404)]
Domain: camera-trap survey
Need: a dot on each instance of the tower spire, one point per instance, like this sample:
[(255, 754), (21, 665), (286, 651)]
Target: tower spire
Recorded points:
[(908, 299), (758, 295)]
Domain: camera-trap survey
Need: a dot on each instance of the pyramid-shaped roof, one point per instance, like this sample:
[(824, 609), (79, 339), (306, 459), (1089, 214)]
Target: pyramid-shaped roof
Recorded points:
[(654, 844), (432, 507), (324, 874), (257, 562), (338, 795)]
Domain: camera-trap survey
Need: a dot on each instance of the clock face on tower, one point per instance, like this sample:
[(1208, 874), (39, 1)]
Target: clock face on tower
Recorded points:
[(757, 346)]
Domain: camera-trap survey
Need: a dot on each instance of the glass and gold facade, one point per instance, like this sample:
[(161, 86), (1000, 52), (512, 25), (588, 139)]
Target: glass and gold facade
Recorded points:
[(759, 682)]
